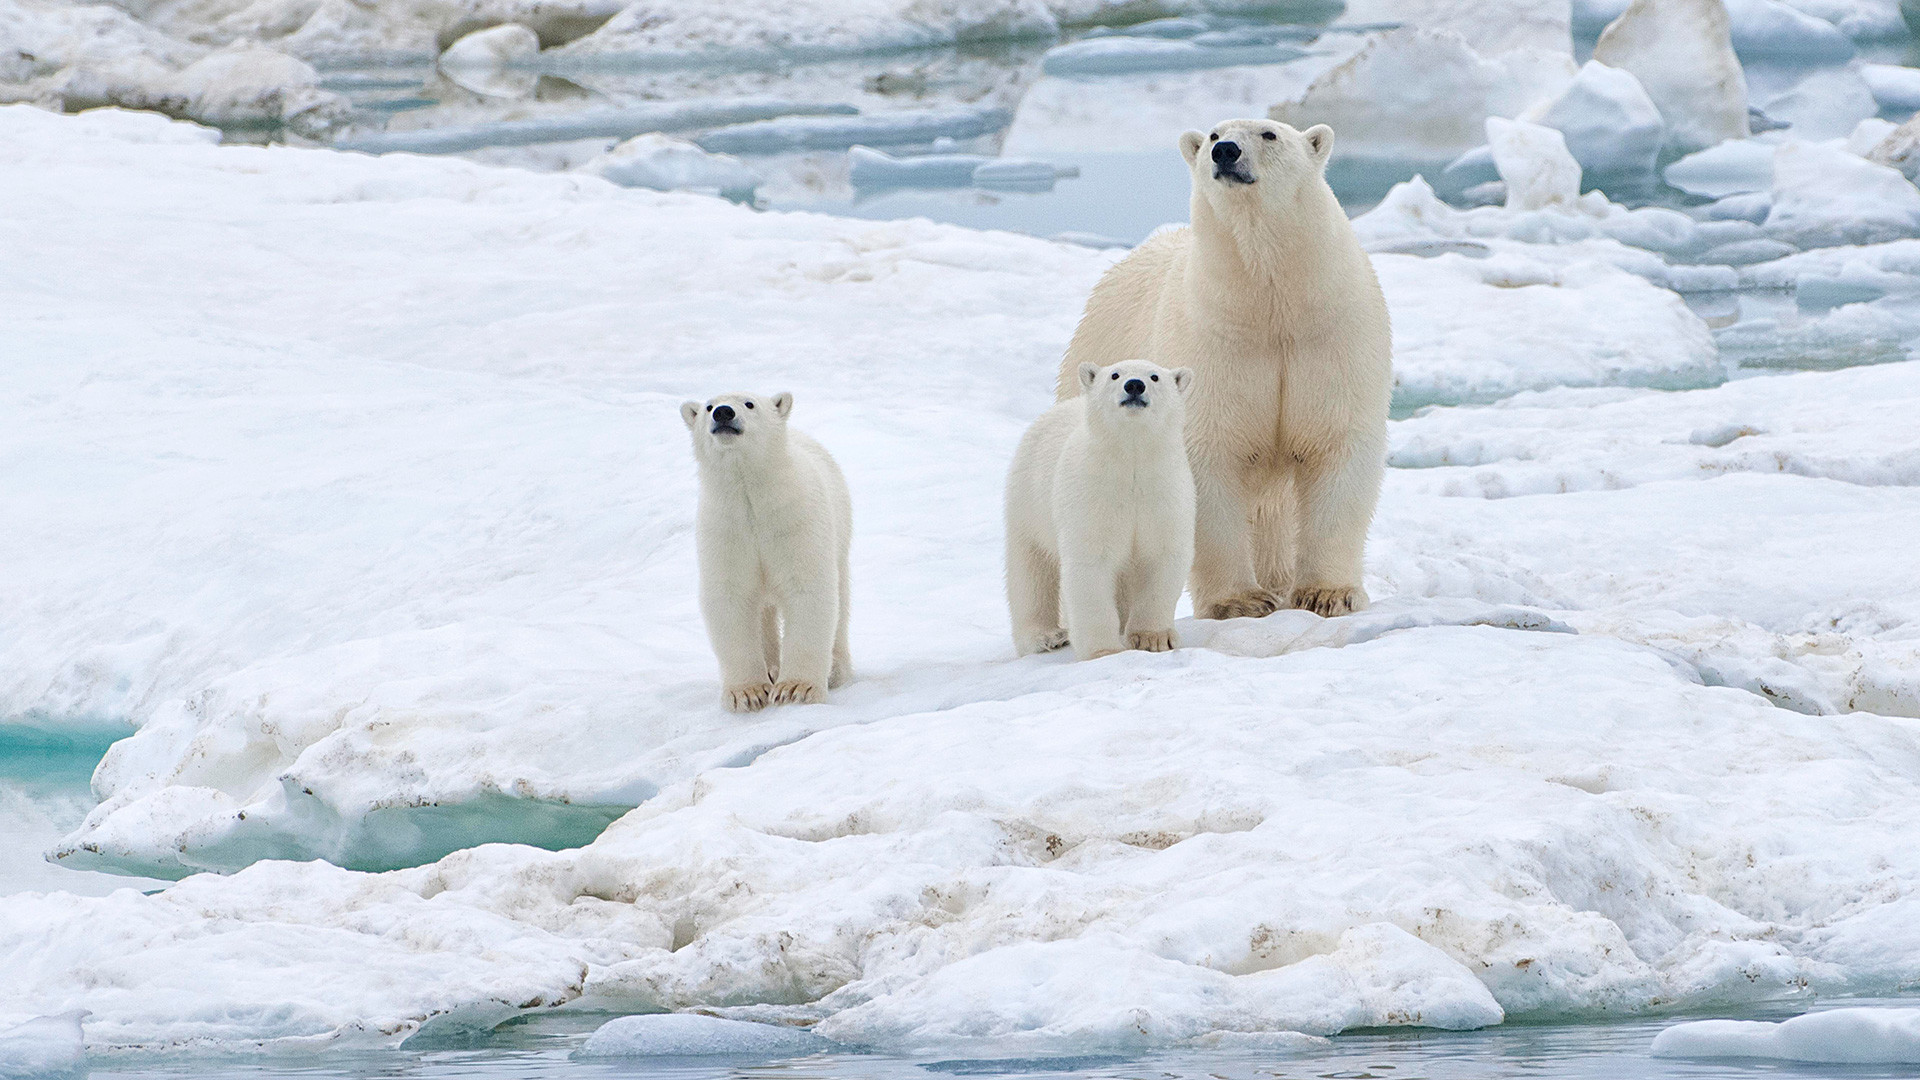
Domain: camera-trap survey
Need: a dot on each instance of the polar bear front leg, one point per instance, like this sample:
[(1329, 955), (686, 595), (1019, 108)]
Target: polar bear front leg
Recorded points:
[(1337, 499), (1154, 595), (1223, 582), (736, 624), (1089, 592), (1033, 598), (809, 622)]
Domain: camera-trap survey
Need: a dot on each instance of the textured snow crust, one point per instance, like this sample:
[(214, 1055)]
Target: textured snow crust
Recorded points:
[(361, 566)]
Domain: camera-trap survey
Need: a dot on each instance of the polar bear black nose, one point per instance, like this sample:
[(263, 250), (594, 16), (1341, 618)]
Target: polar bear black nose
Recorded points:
[(1225, 152), (723, 414), (1135, 386)]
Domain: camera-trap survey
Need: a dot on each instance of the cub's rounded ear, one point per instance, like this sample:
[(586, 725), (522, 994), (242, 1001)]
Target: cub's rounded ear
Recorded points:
[(1088, 372), (1319, 142), (1183, 379), (783, 404), (690, 412), (1190, 144)]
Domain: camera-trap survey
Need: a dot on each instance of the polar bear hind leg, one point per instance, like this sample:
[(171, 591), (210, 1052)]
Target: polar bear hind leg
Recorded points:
[(1275, 523), (1033, 594), (1223, 582)]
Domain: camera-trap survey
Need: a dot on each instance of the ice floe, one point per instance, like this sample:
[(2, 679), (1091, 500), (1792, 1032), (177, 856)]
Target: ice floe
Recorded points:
[(1823, 195), (44, 1047), (1682, 54), (694, 1035), (664, 163), (1611, 126), (1771, 30), (364, 563), (1534, 165), (906, 126), (1896, 88), (1856, 1036), (600, 123), (1119, 55)]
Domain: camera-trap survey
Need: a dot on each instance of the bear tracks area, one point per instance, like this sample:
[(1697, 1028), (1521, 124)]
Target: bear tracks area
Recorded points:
[(355, 486)]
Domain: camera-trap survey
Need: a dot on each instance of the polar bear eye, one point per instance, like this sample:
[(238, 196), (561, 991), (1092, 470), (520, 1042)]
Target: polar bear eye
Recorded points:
[(1268, 135), (1155, 378), (749, 404), (1213, 136), (1116, 375), (709, 408)]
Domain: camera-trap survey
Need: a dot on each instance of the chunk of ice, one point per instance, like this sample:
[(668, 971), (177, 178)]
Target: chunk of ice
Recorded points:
[(792, 133), (591, 124), (1856, 1036), (1823, 195), (696, 1035), (1534, 164), (664, 163), (1128, 55), (1682, 53), (1731, 168), (1611, 125), (44, 1047), (1896, 88)]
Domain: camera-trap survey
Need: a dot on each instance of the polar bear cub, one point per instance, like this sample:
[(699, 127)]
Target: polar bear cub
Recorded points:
[(774, 528), (1100, 515)]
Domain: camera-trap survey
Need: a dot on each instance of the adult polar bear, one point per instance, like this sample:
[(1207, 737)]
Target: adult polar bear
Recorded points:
[(1269, 297)]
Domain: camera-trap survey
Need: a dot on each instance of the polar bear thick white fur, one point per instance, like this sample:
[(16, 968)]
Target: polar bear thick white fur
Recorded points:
[(1270, 299), (774, 529), (1100, 515)]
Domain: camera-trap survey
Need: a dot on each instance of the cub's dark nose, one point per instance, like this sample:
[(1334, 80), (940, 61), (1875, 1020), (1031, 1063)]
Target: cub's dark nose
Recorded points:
[(1135, 386), (1226, 152), (723, 414)]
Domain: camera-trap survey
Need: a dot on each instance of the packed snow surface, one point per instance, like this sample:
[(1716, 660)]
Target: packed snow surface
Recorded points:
[(1838, 1036), (378, 564)]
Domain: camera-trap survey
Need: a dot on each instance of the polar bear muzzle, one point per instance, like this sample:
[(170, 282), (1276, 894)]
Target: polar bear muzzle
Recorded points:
[(1228, 164)]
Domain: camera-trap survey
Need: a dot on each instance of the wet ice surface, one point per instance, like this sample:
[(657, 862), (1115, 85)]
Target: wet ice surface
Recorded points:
[(548, 1049)]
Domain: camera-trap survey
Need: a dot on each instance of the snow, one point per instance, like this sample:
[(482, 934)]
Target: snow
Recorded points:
[(362, 560), (1856, 1036), (664, 163), (1611, 126), (1823, 195), (1897, 89), (1682, 53), (1534, 164), (1424, 94), (1120, 55), (45, 1046), (693, 1035)]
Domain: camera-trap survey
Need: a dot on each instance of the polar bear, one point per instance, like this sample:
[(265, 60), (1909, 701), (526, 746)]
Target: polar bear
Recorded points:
[(1270, 299), (1100, 514), (774, 528)]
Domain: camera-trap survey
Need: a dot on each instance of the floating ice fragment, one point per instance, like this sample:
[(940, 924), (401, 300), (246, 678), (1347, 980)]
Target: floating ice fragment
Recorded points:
[(1611, 125), (1731, 168), (1534, 164), (1126, 55), (1154, 28), (1841, 1036), (1823, 195), (1896, 88), (480, 61), (46, 1046), (871, 168), (664, 163), (256, 87), (1682, 53), (1014, 174), (1758, 29), (695, 1035), (1900, 149), (1824, 105), (594, 124), (793, 133)]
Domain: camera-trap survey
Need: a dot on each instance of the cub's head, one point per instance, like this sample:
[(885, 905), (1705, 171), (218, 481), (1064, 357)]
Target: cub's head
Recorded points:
[(1240, 165), (737, 424), (1135, 392)]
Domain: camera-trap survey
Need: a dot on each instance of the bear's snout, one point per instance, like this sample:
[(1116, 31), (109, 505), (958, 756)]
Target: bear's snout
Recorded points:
[(1226, 152), (723, 420), (1135, 387)]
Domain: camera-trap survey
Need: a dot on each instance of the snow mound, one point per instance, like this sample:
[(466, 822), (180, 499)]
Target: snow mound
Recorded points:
[(1424, 94), (1838, 1036), (1896, 88), (46, 1046), (1611, 126), (1682, 53), (664, 163), (693, 1035)]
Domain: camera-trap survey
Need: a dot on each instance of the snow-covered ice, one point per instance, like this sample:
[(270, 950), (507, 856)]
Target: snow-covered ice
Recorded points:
[(595, 123), (1859, 1036), (376, 564), (1611, 126), (44, 1047), (1729, 168), (664, 163), (695, 1035), (1682, 53), (905, 126), (1823, 195), (1803, 31), (1534, 164), (1895, 88)]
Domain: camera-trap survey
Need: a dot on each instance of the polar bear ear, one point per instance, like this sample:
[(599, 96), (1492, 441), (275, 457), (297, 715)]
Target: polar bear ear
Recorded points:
[(1190, 145), (1319, 142), (690, 412), (1088, 372), (1183, 379), (783, 404)]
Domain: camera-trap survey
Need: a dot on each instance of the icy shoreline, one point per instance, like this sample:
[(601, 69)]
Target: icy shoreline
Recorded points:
[(419, 538)]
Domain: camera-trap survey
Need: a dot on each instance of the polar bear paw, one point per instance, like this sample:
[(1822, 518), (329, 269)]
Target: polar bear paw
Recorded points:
[(1153, 640), (1250, 605), (798, 692), (751, 697), (1330, 600), (1051, 641)]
